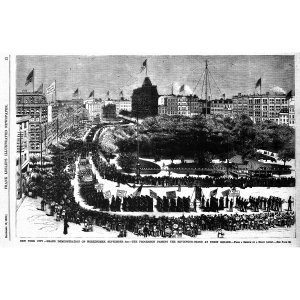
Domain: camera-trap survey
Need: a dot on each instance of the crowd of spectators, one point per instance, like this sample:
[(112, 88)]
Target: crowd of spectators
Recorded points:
[(110, 172), (192, 225)]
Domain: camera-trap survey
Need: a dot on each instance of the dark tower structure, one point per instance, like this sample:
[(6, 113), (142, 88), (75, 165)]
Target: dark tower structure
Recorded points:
[(145, 100)]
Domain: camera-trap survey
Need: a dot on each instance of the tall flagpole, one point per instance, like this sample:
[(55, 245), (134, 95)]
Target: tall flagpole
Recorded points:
[(260, 85), (33, 80), (55, 90)]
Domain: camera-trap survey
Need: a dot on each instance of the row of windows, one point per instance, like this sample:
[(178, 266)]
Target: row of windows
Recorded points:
[(35, 146), (30, 99), (271, 101)]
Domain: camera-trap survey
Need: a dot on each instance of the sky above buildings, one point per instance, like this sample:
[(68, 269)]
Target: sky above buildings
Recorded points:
[(228, 74)]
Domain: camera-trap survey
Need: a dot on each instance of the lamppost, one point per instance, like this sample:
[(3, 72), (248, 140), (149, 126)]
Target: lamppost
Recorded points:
[(226, 133)]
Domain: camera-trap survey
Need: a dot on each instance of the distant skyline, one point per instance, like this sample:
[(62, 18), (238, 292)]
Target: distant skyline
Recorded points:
[(231, 74)]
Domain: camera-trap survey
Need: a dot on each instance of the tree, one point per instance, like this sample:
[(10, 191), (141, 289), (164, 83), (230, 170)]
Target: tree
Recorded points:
[(287, 153), (126, 161), (33, 160)]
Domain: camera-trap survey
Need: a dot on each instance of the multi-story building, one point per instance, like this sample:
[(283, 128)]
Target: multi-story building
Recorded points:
[(23, 140), (145, 100), (52, 112), (221, 107), (292, 112), (240, 104), (35, 106), (286, 116), (73, 102), (180, 105), (266, 107), (270, 106), (123, 104), (22, 157), (94, 108)]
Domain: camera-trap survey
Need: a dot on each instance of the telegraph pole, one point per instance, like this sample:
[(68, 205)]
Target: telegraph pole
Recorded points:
[(138, 142)]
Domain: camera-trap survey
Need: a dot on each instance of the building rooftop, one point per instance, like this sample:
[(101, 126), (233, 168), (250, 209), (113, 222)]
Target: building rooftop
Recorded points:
[(147, 82), (21, 119)]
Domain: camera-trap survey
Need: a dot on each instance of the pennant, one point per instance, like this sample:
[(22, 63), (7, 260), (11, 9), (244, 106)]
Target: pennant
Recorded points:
[(40, 89), (121, 94), (137, 193), (75, 94), (144, 66), (51, 88), (258, 83), (213, 193), (153, 194), (181, 89), (92, 94), (107, 93), (289, 95), (29, 78)]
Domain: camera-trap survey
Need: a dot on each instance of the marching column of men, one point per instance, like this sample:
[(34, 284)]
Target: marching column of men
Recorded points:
[(110, 172)]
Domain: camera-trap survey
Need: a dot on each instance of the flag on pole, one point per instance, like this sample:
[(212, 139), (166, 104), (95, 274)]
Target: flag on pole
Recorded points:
[(153, 194), (289, 95), (75, 94), (258, 83), (144, 66), (40, 89), (121, 94), (137, 193), (29, 78), (181, 89), (213, 193), (51, 88), (92, 93)]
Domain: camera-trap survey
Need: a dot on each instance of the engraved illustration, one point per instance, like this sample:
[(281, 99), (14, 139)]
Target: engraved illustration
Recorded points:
[(154, 147)]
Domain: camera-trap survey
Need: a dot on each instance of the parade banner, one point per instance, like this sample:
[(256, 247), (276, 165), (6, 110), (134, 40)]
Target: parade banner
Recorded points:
[(107, 194), (121, 193), (226, 192), (153, 194), (171, 194), (213, 193)]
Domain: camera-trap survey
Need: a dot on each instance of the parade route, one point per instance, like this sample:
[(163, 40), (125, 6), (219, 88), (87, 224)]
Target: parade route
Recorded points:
[(34, 223)]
